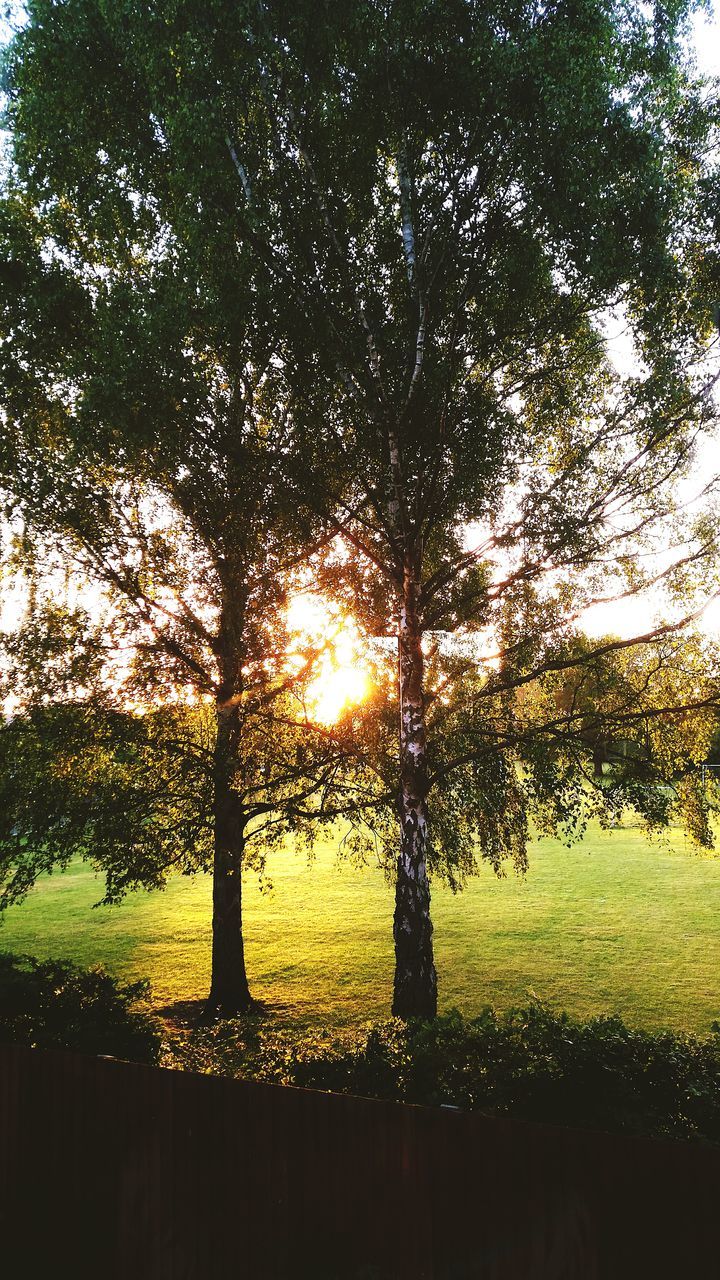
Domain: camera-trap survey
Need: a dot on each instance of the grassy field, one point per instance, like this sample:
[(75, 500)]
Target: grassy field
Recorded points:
[(613, 924)]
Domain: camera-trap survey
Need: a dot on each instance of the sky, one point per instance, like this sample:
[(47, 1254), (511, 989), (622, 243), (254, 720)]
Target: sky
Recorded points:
[(706, 39)]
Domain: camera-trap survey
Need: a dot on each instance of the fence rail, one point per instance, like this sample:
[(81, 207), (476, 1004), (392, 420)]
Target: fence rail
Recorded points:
[(113, 1170)]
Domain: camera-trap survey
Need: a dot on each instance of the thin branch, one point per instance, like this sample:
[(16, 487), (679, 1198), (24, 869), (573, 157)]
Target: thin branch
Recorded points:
[(241, 170)]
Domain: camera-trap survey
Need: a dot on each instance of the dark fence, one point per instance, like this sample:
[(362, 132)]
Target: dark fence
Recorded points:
[(109, 1170)]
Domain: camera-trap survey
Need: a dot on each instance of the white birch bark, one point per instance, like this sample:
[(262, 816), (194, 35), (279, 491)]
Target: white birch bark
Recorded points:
[(415, 988)]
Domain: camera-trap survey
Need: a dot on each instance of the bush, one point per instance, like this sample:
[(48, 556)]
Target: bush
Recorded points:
[(54, 1004), (530, 1063), (538, 1065)]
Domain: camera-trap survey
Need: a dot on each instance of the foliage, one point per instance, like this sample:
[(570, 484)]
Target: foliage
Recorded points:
[(52, 1004), (531, 1063), (353, 280), (626, 728), (608, 730), (194, 302), (132, 793)]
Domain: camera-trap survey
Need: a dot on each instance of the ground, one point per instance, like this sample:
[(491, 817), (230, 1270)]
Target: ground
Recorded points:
[(614, 924)]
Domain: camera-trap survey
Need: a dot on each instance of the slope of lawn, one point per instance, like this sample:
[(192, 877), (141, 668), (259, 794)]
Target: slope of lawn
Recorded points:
[(613, 924)]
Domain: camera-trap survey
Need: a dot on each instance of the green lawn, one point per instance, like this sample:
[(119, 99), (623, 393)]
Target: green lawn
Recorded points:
[(613, 924)]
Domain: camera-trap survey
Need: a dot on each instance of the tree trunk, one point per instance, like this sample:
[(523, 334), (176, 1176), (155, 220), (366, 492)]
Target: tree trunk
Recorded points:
[(415, 989), (229, 992)]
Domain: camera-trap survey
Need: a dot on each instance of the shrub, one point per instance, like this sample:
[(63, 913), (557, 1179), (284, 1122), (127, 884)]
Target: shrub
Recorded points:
[(539, 1065), (530, 1063), (56, 1004)]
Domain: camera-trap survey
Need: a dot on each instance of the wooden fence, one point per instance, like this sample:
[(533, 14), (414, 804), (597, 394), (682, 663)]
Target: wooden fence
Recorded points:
[(111, 1170)]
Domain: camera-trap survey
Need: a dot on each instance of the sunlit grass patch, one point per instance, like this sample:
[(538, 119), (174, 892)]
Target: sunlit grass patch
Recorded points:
[(614, 924)]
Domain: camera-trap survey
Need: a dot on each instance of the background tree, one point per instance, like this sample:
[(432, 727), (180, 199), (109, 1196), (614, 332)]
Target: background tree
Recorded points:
[(634, 725), (433, 209), (133, 794)]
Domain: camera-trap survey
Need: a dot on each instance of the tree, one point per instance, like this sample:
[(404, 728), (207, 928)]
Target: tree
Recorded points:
[(433, 210), (634, 725), (131, 793), (191, 548)]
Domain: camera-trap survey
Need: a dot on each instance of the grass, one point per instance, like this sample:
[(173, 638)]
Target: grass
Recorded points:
[(615, 924)]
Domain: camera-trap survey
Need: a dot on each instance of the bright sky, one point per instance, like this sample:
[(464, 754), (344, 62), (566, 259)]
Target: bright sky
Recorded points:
[(341, 679), (706, 38)]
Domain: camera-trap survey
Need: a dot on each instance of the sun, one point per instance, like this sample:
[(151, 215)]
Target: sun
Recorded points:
[(342, 680)]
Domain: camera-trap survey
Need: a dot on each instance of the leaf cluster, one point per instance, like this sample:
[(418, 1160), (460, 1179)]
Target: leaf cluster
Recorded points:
[(53, 1004)]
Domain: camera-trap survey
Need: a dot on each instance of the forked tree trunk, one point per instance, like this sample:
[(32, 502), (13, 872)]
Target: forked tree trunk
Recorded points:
[(415, 989), (229, 991)]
